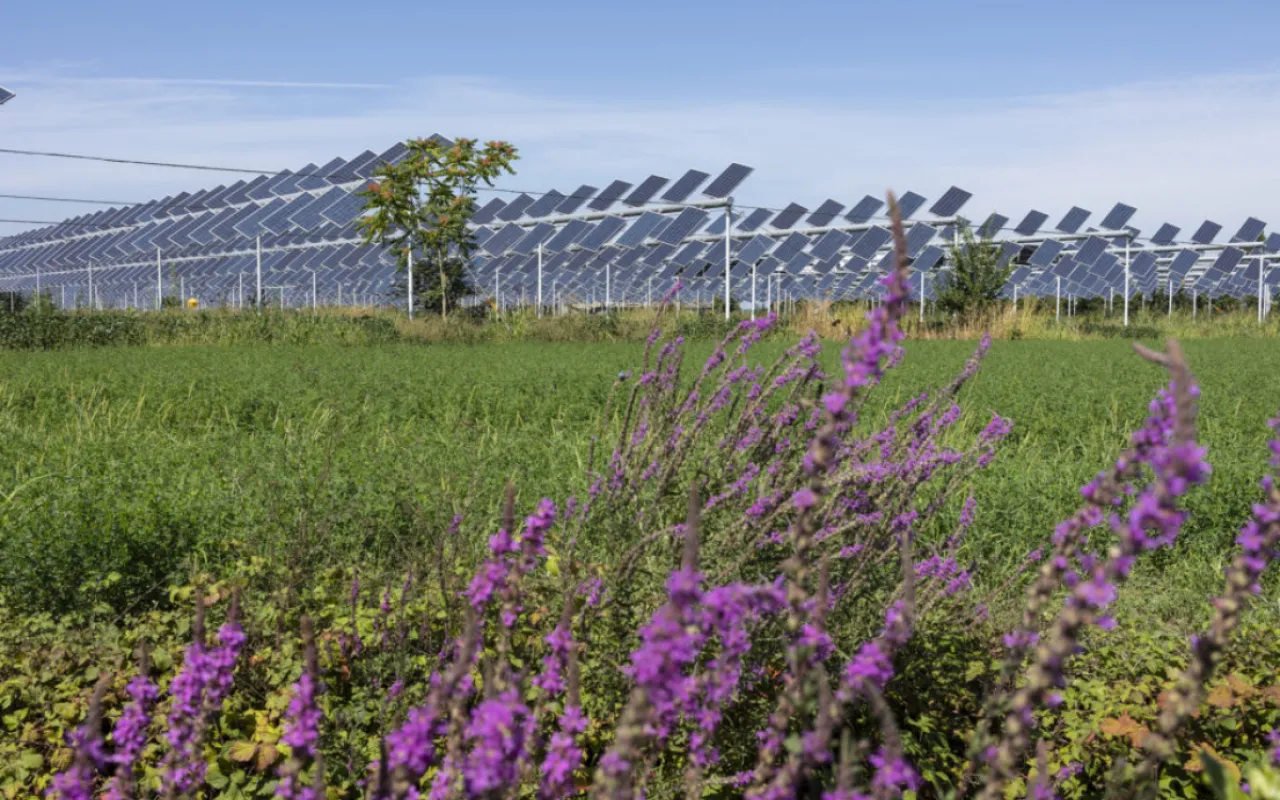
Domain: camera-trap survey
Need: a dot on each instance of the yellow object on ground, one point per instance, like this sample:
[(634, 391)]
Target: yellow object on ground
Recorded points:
[(192, 302)]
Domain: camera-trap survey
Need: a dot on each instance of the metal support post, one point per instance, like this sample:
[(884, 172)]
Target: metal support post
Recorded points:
[(539, 280), (1170, 282), (258, 240), (1127, 291), (1262, 270), (314, 303), (728, 223), (921, 297), (409, 257), (159, 283), (1057, 313), (1194, 300), (753, 290), (608, 273)]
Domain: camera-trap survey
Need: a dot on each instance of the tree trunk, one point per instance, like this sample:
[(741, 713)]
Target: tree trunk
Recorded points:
[(444, 296)]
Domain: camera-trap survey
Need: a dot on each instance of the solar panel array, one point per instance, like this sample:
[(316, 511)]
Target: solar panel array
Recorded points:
[(5, 95), (625, 243)]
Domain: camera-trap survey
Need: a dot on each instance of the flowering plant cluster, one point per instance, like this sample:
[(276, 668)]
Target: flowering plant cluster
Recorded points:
[(775, 557)]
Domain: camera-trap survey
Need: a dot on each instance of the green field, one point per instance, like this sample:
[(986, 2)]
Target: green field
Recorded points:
[(154, 462)]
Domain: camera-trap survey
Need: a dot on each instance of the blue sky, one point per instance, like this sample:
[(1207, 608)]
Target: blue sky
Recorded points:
[(1171, 107)]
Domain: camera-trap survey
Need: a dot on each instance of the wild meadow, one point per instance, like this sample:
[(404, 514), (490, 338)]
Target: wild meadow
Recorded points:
[(766, 565)]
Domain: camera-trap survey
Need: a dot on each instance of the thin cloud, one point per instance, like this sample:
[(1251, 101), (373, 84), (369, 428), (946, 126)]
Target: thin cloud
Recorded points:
[(236, 83)]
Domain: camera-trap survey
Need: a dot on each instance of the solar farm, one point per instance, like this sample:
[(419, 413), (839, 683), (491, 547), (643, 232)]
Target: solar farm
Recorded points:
[(290, 240)]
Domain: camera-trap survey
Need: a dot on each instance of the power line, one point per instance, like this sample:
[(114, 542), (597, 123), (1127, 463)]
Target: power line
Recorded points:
[(69, 200), (30, 222)]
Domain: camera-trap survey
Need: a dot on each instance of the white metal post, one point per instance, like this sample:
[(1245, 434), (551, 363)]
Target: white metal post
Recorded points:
[(1194, 300), (159, 283), (497, 289), (1126, 283), (1057, 304), (314, 304), (1170, 282), (240, 290), (1015, 299), (409, 257), (135, 294), (753, 290), (259, 272), (607, 288), (1262, 268), (728, 223), (922, 297), (182, 290), (539, 280)]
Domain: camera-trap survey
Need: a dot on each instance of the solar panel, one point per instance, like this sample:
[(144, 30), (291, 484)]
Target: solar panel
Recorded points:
[(727, 181), (929, 257), (501, 241), (681, 189), (640, 229), (515, 209), (909, 204), (1206, 233), (824, 214), (951, 201), (544, 205), (864, 210), (1091, 249), (575, 200), (645, 191), (754, 220), (610, 195), (918, 236), (788, 217), (1045, 253), (684, 224), (603, 233), (1166, 234), (1250, 230), (754, 249), (1228, 259), (1073, 219), (573, 230), (533, 237), (1032, 222), (488, 212), (870, 242), (790, 246), (829, 243), (1182, 263), (1272, 245), (1118, 217), (994, 224), (1008, 250), (685, 255), (1143, 265), (5, 95)]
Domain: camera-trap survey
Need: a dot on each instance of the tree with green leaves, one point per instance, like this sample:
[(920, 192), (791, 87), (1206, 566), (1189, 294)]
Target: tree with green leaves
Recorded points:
[(976, 278), (422, 204)]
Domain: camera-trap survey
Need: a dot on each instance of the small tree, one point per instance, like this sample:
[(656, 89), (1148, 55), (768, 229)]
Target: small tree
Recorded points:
[(423, 203), (976, 279)]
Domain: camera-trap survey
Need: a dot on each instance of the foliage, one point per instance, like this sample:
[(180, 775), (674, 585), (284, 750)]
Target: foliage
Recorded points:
[(976, 279), (759, 552), (421, 204)]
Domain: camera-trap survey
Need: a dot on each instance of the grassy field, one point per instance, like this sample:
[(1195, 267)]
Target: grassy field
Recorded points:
[(151, 462)]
